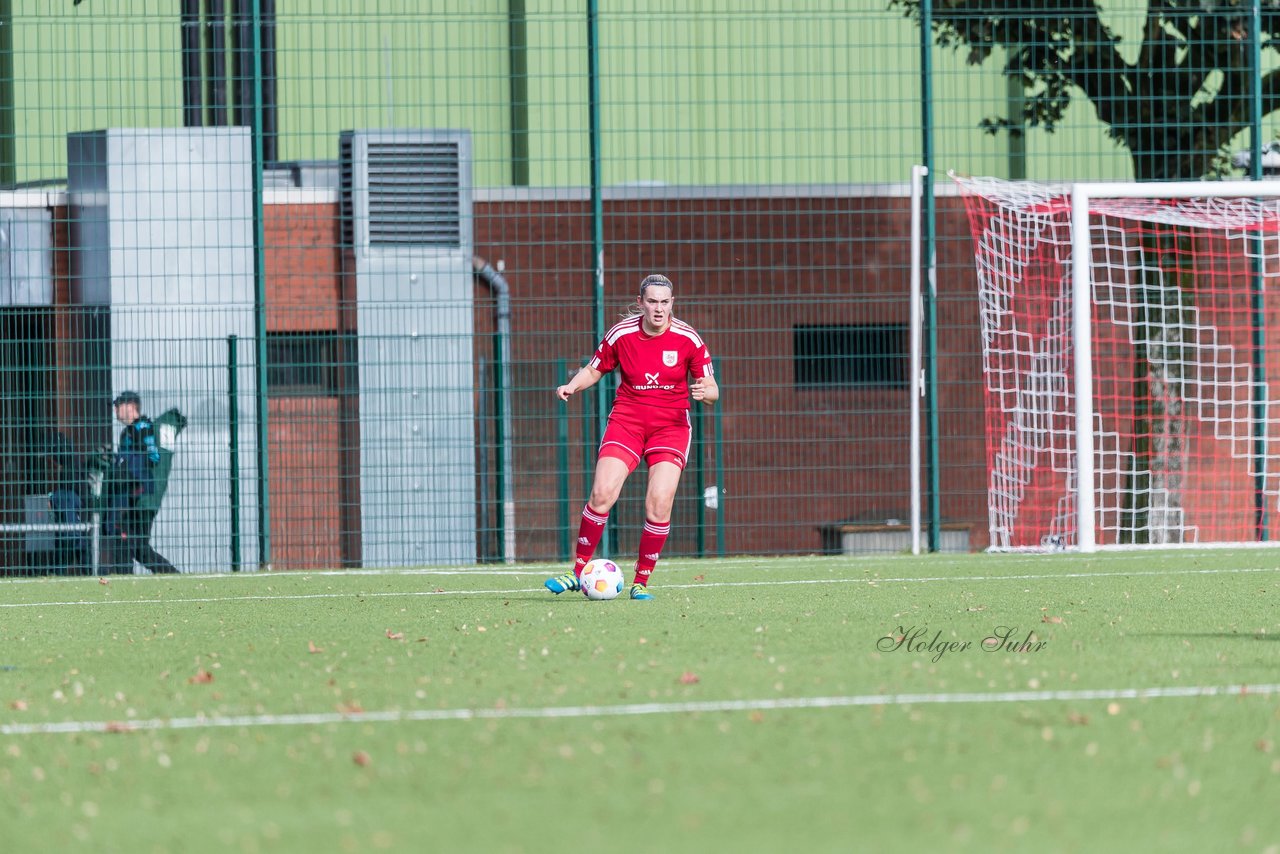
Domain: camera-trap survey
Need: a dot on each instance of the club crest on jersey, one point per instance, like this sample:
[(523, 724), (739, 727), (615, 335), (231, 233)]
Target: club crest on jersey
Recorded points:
[(670, 357)]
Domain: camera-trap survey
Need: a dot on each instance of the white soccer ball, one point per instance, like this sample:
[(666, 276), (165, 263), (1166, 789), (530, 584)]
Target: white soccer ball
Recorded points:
[(601, 579)]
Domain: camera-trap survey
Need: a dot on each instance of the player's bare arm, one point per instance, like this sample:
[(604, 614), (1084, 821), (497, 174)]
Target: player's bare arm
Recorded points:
[(582, 380), (705, 390)]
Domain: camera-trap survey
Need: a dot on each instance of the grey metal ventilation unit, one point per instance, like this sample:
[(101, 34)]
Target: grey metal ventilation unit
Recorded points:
[(401, 189), (415, 193), (160, 223), (406, 228)]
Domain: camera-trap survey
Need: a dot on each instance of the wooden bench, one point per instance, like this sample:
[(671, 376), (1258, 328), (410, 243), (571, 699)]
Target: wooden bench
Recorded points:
[(885, 538), (36, 509)]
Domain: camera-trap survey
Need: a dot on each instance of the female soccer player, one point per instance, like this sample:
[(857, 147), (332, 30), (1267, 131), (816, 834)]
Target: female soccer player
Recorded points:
[(655, 355)]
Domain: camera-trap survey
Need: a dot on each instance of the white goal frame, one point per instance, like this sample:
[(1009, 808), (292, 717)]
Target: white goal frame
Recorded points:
[(1081, 316)]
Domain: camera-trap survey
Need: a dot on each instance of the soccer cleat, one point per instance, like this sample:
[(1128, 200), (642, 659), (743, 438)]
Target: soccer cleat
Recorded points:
[(639, 591), (561, 583)]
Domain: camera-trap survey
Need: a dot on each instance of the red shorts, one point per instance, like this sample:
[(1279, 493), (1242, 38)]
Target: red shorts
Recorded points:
[(653, 434)]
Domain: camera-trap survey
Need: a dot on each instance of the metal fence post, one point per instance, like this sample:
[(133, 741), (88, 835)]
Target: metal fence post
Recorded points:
[(1256, 283), (609, 542), (930, 267), (699, 481), (260, 302), (233, 427), (562, 466), (721, 490)]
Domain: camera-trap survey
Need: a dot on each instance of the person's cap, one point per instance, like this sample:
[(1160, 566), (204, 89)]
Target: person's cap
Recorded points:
[(126, 397)]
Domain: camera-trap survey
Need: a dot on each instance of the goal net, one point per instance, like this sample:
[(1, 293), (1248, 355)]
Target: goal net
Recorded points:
[(1126, 398)]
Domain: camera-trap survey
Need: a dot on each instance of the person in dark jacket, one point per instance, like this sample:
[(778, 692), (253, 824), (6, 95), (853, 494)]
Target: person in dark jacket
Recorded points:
[(130, 482), (67, 502)]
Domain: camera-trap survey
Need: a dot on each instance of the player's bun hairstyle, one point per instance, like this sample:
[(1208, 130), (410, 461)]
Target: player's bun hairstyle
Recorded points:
[(650, 281)]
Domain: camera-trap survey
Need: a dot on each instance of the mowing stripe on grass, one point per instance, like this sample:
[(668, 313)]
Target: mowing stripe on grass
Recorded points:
[(631, 709), (284, 597)]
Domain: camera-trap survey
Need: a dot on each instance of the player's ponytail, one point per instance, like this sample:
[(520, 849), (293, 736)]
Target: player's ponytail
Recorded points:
[(650, 281)]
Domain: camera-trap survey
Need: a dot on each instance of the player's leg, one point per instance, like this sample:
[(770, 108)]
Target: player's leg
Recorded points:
[(664, 479), (146, 555), (611, 473), (667, 452), (135, 536), (114, 557)]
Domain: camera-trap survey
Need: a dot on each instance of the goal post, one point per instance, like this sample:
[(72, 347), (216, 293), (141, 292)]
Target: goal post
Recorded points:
[(1126, 397)]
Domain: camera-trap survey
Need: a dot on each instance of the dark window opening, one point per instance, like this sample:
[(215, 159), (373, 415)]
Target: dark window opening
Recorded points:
[(304, 364), (851, 355)]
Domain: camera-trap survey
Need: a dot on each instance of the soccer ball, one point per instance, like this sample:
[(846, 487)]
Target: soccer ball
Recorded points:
[(601, 579)]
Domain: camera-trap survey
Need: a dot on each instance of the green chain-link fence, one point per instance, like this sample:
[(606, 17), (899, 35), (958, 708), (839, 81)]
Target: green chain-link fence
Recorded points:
[(357, 250)]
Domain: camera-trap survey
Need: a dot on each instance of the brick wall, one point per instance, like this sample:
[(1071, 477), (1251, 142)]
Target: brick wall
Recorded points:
[(302, 261), (746, 272), (306, 483)]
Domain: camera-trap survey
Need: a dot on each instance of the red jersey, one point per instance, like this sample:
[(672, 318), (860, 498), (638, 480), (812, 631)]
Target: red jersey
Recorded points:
[(654, 369)]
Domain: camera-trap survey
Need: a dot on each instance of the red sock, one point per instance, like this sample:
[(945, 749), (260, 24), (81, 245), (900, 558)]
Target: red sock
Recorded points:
[(590, 531), (652, 539)]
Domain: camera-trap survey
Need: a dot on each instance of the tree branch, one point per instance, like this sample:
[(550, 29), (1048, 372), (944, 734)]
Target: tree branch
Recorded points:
[(1167, 108)]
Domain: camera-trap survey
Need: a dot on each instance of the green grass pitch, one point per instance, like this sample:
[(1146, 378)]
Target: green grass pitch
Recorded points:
[(1124, 702)]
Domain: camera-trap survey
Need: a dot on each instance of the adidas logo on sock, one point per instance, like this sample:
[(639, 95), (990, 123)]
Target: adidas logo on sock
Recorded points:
[(653, 556), (584, 541)]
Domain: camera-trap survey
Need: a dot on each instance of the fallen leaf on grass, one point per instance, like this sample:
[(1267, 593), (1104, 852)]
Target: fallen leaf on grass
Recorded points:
[(699, 577), (756, 717), (439, 590), (18, 705), (360, 758), (202, 677), (104, 581), (313, 649), (1047, 619), (351, 707), (395, 635), (1078, 718), (117, 726), (689, 678)]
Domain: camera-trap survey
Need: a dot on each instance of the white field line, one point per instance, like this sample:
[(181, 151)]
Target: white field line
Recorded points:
[(869, 581), (688, 565), (632, 709)]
